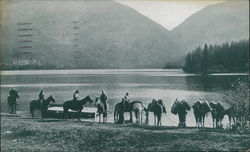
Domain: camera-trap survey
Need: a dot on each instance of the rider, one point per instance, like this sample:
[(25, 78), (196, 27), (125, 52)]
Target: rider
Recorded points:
[(41, 96), (76, 96), (103, 98), (125, 101)]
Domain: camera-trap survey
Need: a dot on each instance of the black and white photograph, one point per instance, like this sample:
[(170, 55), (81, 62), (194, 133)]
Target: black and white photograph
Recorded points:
[(124, 75)]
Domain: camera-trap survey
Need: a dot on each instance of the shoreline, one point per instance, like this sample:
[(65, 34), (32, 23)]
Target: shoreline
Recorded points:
[(19, 134)]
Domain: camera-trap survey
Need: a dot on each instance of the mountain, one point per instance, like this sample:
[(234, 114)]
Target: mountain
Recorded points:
[(215, 24), (87, 34)]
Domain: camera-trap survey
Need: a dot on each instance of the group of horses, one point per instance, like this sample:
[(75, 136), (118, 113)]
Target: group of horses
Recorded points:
[(180, 108)]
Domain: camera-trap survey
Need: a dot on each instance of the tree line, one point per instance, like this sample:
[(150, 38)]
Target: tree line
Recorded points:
[(227, 57)]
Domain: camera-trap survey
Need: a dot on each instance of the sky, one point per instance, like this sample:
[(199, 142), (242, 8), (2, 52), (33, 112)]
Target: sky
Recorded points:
[(167, 13)]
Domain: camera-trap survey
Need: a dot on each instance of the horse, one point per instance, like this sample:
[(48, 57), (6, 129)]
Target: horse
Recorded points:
[(135, 106), (157, 108), (34, 104), (12, 104), (75, 105), (231, 113), (217, 114), (180, 108), (101, 110), (200, 110)]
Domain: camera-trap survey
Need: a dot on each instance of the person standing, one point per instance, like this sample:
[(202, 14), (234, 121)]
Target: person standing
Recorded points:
[(12, 100), (103, 98)]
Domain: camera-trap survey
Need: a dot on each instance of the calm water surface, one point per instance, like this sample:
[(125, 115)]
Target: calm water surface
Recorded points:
[(141, 84)]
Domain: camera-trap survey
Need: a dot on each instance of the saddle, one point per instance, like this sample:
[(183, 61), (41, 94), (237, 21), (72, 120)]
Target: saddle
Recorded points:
[(39, 101), (129, 105)]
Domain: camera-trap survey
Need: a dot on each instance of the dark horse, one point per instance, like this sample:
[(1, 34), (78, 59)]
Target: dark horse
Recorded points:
[(34, 104), (180, 108), (200, 111), (231, 113), (157, 108), (75, 105), (217, 114), (134, 106), (101, 110)]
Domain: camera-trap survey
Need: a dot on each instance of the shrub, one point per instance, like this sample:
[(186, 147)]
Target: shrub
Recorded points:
[(238, 98)]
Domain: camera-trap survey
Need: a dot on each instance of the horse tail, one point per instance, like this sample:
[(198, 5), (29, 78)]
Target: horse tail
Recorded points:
[(115, 113), (32, 108)]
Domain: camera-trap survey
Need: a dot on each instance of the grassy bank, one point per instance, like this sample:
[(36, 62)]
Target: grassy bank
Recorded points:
[(24, 134)]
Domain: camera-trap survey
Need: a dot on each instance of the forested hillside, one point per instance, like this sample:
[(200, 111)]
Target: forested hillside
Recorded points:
[(227, 57)]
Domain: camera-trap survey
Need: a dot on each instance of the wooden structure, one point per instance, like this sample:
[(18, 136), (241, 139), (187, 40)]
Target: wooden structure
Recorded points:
[(57, 112)]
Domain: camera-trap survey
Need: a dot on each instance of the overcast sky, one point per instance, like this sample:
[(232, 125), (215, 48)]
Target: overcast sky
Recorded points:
[(167, 13)]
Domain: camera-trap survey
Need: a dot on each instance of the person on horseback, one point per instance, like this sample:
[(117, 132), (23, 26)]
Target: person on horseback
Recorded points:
[(125, 101), (41, 97), (76, 96), (103, 98)]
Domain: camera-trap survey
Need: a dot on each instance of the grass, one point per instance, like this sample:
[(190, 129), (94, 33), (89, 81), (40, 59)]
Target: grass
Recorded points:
[(18, 134)]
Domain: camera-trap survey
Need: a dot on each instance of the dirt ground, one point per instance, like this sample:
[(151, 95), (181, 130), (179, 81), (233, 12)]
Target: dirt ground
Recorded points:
[(26, 134)]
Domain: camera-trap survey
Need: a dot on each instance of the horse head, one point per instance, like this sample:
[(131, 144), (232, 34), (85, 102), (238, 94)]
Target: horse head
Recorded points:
[(97, 101), (51, 98), (212, 104), (206, 107), (160, 102), (185, 104), (154, 101), (89, 99)]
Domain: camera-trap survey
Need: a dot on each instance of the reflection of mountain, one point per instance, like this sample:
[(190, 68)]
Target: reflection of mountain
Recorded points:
[(110, 35), (219, 23)]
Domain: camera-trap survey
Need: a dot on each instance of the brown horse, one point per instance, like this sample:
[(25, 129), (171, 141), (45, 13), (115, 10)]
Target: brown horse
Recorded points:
[(135, 106), (101, 110), (34, 104), (231, 113), (217, 114), (157, 108), (200, 111), (75, 105), (180, 108)]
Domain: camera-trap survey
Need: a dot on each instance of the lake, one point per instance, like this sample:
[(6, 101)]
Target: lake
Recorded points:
[(141, 84)]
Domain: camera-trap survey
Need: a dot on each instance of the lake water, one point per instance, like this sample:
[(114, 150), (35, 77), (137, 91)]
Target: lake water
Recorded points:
[(141, 84)]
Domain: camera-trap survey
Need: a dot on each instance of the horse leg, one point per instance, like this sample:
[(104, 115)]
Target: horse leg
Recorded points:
[(158, 120), (154, 119), (65, 113), (14, 108), (104, 118), (203, 121), (32, 112), (79, 115), (213, 123), (131, 119), (197, 122), (229, 118), (141, 118), (234, 119)]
